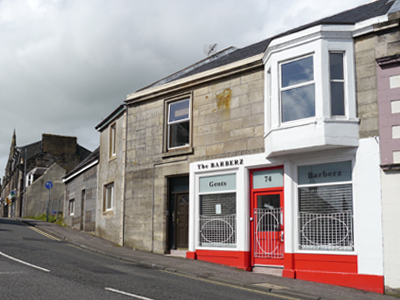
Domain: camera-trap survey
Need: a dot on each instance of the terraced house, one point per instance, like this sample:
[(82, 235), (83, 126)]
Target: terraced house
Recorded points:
[(270, 156)]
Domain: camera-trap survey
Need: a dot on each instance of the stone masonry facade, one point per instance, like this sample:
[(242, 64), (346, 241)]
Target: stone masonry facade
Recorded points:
[(84, 185), (227, 119)]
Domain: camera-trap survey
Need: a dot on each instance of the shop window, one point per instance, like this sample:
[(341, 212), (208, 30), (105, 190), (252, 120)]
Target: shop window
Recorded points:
[(108, 197), (178, 125), (71, 207), (326, 207), (218, 211), (297, 89), (113, 140)]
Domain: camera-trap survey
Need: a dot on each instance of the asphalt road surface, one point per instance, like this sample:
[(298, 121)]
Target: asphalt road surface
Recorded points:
[(34, 265)]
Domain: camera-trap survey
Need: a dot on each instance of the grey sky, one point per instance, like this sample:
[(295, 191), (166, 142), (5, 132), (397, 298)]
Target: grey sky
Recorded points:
[(64, 65)]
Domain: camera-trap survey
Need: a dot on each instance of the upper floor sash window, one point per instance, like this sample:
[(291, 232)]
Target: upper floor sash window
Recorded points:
[(178, 124), (337, 83), (297, 89)]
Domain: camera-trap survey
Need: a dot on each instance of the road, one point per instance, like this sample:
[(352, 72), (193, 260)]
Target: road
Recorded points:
[(34, 265)]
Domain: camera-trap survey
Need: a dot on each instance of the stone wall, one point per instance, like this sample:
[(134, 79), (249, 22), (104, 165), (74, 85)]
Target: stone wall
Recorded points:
[(111, 171), (367, 49), (83, 184), (227, 120), (37, 195)]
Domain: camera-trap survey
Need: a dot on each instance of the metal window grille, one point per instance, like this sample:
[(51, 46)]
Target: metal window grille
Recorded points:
[(267, 233), (326, 231), (218, 231), (326, 218)]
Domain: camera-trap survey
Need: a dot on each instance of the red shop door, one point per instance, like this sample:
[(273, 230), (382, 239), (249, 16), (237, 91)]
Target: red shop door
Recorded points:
[(267, 229)]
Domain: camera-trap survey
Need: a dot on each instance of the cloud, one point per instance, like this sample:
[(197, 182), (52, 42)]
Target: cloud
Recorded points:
[(64, 65)]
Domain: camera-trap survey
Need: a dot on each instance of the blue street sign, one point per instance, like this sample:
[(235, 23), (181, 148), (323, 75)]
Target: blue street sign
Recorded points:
[(49, 185)]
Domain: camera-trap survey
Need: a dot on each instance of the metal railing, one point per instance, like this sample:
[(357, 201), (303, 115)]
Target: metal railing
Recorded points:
[(218, 231), (330, 231)]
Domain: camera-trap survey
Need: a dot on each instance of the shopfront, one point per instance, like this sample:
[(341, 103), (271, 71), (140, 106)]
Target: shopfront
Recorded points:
[(315, 216)]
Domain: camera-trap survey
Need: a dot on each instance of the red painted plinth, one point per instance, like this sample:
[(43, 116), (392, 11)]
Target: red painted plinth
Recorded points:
[(237, 259), (191, 255)]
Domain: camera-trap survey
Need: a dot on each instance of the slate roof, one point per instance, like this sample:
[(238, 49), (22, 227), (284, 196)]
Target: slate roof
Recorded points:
[(31, 149), (348, 17), (87, 161)]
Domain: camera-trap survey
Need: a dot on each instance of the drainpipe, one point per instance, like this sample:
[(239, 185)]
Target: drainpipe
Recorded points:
[(24, 181), (152, 200), (122, 239)]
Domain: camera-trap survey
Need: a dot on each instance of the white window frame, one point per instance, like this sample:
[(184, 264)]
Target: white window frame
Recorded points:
[(198, 196), (168, 123), (71, 207), (343, 81), (113, 140), (292, 87), (109, 192), (297, 208), (318, 44)]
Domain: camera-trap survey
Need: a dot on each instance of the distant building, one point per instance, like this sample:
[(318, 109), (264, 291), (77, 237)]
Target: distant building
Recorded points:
[(49, 158)]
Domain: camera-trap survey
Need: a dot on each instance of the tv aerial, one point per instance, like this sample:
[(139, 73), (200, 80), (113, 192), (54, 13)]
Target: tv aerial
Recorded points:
[(210, 49)]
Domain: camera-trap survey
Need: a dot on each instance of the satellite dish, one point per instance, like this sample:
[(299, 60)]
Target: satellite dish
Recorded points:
[(210, 49)]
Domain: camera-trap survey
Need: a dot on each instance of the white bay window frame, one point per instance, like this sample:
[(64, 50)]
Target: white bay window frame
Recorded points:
[(323, 129)]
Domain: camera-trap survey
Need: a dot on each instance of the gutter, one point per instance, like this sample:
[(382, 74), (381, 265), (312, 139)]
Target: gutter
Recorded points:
[(80, 171)]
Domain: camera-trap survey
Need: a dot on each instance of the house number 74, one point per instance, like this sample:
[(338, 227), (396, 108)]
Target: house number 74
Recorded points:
[(268, 178)]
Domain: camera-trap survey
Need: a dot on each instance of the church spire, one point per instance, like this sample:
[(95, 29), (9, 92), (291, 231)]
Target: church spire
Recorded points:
[(13, 145)]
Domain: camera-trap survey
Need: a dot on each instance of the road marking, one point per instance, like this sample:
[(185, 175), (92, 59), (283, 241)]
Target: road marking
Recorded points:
[(23, 262), (43, 233), (232, 286), (127, 294)]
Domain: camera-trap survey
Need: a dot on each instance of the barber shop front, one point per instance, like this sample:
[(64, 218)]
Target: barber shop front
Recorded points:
[(313, 216)]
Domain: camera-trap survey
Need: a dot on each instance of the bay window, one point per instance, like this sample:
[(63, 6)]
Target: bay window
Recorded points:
[(310, 91)]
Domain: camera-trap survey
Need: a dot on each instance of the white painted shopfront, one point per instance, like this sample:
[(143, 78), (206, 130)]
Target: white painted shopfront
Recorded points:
[(315, 215)]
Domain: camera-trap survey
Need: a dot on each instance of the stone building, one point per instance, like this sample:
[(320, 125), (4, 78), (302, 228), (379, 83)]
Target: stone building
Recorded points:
[(110, 215), (81, 194), (29, 163), (213, 109)]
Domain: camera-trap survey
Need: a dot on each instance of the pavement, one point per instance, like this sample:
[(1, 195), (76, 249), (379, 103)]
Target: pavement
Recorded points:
[(278, 286)]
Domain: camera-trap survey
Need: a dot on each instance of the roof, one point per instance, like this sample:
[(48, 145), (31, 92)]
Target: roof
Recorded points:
[(107, 120), (348, 17), (89, 161)]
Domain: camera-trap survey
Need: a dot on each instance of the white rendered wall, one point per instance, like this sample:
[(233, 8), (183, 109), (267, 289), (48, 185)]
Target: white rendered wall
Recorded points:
[(367, 208), (391, 218)]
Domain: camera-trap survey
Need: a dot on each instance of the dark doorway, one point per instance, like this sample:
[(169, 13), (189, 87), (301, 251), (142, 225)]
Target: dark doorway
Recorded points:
[(178, 216), (83, 198)]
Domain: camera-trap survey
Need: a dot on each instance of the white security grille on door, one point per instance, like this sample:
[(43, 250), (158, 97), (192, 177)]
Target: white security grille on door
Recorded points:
[(268, 234)]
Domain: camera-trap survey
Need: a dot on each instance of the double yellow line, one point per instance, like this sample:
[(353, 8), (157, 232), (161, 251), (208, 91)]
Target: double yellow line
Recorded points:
[(43, 233)]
